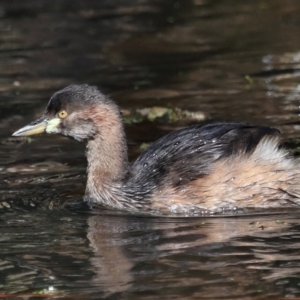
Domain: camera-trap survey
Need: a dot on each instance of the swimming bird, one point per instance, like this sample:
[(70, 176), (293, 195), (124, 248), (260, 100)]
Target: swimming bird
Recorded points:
[(198, 169)]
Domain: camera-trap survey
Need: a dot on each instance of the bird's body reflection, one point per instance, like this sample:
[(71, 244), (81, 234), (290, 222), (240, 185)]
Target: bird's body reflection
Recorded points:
[(207, 257)]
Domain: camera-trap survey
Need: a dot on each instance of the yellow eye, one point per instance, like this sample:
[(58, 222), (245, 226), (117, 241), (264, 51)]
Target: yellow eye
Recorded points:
[(62, 114)]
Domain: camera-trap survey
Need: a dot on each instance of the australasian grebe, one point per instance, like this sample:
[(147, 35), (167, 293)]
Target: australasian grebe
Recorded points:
[(193, 170)]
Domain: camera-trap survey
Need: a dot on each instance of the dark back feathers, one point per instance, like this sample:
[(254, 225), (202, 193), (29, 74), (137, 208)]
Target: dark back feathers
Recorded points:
[(187, 154)]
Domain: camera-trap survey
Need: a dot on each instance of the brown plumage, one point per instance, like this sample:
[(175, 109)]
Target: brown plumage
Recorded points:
[(198, 169)]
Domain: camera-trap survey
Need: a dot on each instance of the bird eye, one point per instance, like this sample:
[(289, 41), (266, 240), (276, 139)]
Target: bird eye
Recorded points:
[(62, 114)]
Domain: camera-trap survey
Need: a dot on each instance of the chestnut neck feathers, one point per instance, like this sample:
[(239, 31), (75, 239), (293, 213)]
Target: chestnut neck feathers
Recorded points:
[(107, 151)]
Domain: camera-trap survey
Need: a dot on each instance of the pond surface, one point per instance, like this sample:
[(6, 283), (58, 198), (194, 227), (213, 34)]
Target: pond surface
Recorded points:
[(226, 60)]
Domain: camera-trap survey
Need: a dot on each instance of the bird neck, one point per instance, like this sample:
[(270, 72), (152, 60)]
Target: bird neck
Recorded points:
[(106, 156)]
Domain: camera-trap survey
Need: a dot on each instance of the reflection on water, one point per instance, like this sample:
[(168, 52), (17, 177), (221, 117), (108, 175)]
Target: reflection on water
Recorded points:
[(121, 256), (232, 60)]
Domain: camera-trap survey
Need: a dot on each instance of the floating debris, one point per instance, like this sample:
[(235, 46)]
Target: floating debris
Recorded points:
[(162, 114)]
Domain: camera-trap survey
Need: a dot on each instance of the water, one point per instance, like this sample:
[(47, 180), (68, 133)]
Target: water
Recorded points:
[(230, 60)]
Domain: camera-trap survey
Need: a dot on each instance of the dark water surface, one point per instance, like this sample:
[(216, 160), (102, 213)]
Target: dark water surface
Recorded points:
[(232, 60)]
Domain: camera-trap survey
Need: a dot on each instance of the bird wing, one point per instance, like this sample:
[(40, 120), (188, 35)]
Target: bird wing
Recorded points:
[(187, 154)]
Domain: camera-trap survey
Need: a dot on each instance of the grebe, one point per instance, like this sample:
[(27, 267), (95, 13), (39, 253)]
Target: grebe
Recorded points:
[(198, 169)]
